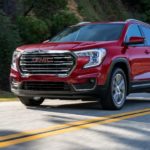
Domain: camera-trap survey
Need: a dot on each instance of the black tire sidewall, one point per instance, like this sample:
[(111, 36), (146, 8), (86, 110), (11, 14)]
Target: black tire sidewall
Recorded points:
[(29, 101)]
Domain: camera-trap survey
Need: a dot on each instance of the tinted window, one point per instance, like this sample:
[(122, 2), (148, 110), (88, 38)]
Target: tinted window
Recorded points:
[(133, 30), (146, 31), (92, 32)]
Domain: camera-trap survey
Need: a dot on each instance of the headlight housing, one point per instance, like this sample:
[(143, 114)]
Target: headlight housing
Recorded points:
[(96, 56), (15, 56)]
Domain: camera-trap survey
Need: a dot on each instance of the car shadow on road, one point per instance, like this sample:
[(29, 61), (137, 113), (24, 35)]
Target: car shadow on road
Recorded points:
[(91, 108)]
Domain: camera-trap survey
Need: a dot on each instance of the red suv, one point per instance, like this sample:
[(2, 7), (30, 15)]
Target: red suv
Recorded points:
[(98, 61)]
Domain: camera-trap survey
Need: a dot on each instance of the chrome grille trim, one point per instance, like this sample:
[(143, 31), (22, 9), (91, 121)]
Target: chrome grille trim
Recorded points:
[(23, 64), (61, 63)]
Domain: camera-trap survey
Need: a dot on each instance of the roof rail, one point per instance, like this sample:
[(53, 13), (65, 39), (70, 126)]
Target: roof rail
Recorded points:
[(84, 22), (135, 20)]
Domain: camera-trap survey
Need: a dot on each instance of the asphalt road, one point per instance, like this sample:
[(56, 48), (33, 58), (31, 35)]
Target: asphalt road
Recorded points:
[(75, 125)]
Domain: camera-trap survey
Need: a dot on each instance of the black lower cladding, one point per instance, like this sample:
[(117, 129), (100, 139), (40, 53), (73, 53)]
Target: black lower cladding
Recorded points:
[(45, 86), (89, 85), (54, 90)]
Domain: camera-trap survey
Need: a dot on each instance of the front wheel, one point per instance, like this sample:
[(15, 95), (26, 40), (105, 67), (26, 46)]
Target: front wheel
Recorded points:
[(117, 91), (27, 101)]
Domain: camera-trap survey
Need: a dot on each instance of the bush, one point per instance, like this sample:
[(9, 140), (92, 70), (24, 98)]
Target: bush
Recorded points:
[(32, 29), (47, 8), (62, 20), (9, 39)]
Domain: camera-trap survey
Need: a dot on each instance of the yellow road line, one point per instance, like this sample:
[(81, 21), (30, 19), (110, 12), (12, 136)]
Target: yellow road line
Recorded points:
[(7, 99), (76, 126), (57, 127)]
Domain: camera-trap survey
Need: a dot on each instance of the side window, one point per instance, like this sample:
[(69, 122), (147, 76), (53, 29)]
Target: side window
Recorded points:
[(146, 31), (133, 30)]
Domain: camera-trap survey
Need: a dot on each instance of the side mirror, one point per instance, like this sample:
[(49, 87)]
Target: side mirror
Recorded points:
[(135, 40)]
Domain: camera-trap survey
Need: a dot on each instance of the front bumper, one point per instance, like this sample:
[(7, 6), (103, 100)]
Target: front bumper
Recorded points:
[(90, 94), (73, 87), (80, 83)]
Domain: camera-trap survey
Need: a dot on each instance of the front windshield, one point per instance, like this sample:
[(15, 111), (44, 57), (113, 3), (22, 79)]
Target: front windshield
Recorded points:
[(91, 32)]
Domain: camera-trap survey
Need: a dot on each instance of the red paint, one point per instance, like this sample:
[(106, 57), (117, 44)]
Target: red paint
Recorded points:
[(136, 40)]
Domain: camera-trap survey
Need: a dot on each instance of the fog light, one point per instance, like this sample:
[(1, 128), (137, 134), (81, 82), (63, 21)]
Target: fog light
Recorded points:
[(89, 85), (92, 80)]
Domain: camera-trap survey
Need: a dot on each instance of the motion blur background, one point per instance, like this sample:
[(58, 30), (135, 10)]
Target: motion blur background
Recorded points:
[(32, 21)]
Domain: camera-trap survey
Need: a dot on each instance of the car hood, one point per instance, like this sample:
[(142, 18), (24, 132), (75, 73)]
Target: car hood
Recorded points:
[(72, 46)]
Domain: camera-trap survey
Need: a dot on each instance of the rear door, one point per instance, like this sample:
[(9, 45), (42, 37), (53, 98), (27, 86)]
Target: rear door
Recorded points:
[(146, 32)]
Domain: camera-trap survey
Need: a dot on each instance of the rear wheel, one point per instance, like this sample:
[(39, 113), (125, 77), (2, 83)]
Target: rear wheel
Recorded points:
[(117, 91), (34, 101)]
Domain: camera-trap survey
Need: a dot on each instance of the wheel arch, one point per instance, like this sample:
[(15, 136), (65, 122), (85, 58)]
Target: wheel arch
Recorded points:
[(125, 66)]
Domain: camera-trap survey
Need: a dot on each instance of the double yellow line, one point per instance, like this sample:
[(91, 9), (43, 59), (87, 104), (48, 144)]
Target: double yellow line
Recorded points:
[(18, 138)]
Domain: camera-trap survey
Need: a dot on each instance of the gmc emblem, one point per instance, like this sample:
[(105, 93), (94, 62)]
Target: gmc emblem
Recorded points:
[(42, 60)]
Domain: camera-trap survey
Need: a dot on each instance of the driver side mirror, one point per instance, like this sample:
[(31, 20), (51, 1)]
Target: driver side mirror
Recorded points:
[(135, 40)]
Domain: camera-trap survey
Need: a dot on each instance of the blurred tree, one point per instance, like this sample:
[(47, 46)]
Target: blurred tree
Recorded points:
[(9, 7), (48, 8), (32, 29), (62, 20), (140, 7), (9, 39)]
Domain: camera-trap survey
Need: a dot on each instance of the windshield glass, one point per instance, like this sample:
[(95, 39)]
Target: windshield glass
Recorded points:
[(92, 32)]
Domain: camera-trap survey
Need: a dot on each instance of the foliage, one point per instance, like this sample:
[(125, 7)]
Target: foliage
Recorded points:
[(9, 39), (61, 20), (140, 7), (32, 29), (102, 10), (48, 8)]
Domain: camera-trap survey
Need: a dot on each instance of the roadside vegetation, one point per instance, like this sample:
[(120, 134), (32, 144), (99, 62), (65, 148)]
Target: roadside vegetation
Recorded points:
[(6, 96), (32, 21)]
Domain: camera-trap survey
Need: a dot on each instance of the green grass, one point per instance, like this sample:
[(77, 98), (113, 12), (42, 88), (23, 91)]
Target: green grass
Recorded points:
[(6, 96)]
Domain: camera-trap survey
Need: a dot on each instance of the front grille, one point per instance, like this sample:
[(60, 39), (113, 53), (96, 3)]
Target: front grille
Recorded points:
[(45, 86), (47, 63)]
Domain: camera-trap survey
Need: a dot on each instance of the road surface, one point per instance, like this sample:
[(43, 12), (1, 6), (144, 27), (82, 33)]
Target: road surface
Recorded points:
[(75, 125)]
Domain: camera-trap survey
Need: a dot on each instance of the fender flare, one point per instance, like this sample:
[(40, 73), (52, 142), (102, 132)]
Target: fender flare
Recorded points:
[(112, 66)]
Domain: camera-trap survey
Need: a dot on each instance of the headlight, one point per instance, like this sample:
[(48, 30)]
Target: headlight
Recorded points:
[(96, 56), (16, 55)]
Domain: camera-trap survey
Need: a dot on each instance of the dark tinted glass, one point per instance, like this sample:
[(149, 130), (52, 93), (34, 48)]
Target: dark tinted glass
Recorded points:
[(146, 31), (92, 32)]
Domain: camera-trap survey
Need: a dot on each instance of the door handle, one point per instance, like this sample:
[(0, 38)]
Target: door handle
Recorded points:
[(147, 51)]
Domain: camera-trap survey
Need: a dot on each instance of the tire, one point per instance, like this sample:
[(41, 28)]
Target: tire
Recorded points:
[(27, 101), (115, 96)]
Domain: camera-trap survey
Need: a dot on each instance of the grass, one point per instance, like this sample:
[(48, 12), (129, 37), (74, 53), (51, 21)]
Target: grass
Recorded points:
[(6, 96)]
